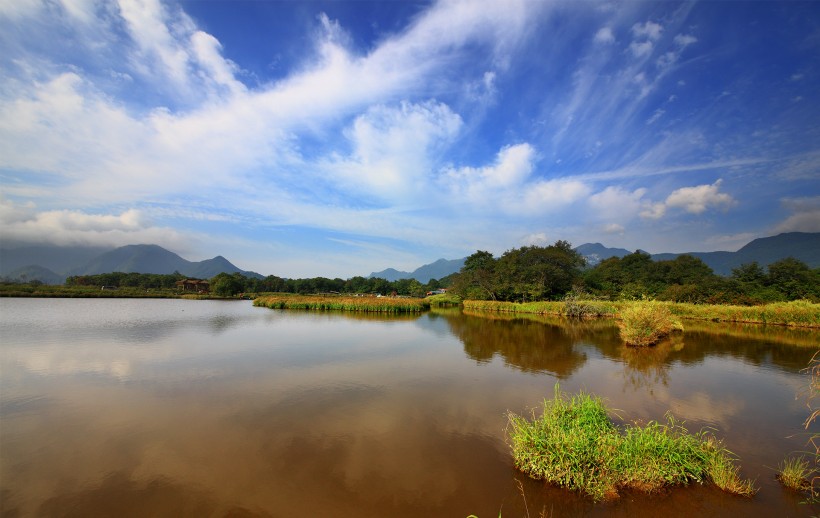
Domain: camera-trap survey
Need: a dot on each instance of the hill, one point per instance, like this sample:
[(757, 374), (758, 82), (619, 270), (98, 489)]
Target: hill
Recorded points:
[(67, 261), (423, 274), (765, 251)]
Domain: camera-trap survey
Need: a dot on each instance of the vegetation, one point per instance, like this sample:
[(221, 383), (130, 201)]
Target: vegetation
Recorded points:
[(645, 323), (529, 273), (796, 313), (575, 445), (794, 473), (330, 303)]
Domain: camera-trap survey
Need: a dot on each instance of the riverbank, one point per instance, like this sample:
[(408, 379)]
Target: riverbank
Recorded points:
[(793, 314)]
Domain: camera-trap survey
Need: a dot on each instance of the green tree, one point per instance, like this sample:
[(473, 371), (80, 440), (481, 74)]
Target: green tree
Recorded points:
[(226, 285), (794, 279), (477, 278)]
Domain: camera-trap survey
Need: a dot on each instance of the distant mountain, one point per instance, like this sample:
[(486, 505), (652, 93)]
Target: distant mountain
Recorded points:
[(32, 273), (58, 259), (390, 274), (423, 274), (594, 253), (765, 250), (63, 262)]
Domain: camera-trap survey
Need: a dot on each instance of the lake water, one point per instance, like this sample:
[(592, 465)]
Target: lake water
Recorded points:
[(129, 407)]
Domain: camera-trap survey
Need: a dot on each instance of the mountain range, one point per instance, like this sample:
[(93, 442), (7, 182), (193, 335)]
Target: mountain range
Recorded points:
[(803, 246), (52, 264)]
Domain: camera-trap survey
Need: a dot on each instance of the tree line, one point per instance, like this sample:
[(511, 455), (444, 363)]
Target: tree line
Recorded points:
[(551, 273), (533, 273), (229, 284)]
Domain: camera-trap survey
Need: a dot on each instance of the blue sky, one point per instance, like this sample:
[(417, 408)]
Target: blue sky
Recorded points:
[(338, 138)]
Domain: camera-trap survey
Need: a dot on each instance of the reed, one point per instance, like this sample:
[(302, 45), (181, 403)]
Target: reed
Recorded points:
[(799, 313), (644, 323), (339, 303), (794, 473), (575, 445)]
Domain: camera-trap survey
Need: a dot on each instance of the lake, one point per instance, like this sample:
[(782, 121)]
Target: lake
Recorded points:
[(137, 407)]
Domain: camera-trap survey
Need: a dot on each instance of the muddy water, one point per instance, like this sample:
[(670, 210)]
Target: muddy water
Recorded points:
[(205, 408)]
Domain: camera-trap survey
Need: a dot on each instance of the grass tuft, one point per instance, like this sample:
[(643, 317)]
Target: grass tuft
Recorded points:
[(794, 473), (575, 445), (644, 323), (338, 303)]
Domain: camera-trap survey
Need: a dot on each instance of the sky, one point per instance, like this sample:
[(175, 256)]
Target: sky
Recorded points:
[(304, 139)]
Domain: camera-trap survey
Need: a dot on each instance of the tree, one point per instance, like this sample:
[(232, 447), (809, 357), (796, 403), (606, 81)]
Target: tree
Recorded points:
[(794, 279), (226, 285), (478, 272)]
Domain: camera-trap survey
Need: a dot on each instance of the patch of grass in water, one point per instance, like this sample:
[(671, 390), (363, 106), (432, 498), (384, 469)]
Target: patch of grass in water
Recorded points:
[(575, 445), (644, 323)]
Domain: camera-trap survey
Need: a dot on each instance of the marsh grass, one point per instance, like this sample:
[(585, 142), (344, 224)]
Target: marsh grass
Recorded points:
[(338, 303), (795, 314), (644, 323), (794, 473), (575, 445)]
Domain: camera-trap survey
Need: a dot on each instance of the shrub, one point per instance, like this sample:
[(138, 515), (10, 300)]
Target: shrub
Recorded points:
[(644, 323)]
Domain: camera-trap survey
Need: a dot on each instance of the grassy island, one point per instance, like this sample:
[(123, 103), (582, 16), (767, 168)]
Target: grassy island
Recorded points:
[(343, 303), (575, 445)]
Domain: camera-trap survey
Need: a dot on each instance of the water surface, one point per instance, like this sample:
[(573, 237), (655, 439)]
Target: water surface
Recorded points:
[(130, 407)]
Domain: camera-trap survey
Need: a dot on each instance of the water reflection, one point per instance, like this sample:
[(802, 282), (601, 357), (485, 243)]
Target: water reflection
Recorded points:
[(526, 344), (232, 410)]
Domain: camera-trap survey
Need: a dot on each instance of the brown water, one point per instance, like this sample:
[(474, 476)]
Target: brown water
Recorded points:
[(205, 408)]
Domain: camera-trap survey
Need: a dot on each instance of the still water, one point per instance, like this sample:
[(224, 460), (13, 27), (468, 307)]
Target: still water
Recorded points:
[(130, 407)]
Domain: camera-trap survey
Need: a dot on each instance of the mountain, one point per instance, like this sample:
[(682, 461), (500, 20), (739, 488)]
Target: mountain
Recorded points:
[(58, 259), (51, 265), (766, 250), (594, 253), (390, 274), (155, 259), (435, 270), (34, 272), (803, 246)]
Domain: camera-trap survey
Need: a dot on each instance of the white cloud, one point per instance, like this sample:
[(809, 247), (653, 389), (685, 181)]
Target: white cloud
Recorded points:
[(616, 204), (684, 40), (649, 29), (641, 49), (805, 217), (694, 200), (24, 224), (393, 148), (604, 35), (613, 228)]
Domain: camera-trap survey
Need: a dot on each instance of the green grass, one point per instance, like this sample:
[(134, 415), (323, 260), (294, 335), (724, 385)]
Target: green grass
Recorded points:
[(795, 314), (575, 445), (644, 323), (340, 303), (794, 473)]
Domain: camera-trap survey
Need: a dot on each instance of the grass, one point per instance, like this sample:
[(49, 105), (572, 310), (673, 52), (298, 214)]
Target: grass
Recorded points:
[(794, 473), (340, 303), (795, 314), (644, 323), (575, 445)]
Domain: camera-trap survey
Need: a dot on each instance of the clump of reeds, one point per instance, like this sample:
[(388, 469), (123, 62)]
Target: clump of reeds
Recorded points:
[(337, 303), (646, 322), (794, 473), (575, 445)]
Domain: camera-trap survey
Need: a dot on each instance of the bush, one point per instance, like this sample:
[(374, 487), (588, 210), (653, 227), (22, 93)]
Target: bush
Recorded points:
[(645, 323)]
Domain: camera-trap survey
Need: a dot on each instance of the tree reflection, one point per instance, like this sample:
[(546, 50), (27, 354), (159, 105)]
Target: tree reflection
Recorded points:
[(526, 344), (646, 367)]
